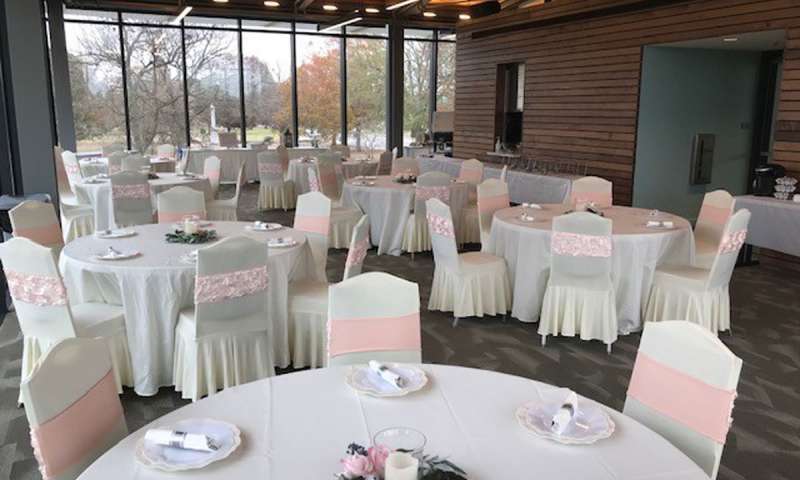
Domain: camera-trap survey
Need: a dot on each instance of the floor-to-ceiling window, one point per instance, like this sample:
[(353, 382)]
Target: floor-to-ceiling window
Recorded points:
[(318, 88), (366, 91), (446, 75), (417, 62)]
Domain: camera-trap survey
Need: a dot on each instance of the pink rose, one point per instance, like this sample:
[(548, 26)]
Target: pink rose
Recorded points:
[(357, 466), (377, 455)]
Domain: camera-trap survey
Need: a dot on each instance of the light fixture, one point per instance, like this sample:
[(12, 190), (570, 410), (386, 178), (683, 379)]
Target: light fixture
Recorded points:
[(401, 4), (372, 10), (220, 1), (339, 25), (464, 16), (430, 14), (271, 3), (730, 39), (181, 15), (330, 8)]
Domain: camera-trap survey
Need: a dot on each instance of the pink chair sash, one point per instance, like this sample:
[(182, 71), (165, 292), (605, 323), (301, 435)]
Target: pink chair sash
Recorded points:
[(67, 439), (137, 191), (72, 168), (493, 203), (313, 182), (702, 407), (426, 193), (580, 245), (213, 175), (170, 217), (45, 235), (374, 334), (440, 225), (226, 286), (713, 214), (40, 290), (733, 241), (312, 224), (602, 199), (470, 175), (358, 253)]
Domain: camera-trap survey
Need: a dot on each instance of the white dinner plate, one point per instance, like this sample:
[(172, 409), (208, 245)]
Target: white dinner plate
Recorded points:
[(111, 234), (526, 218), (365, 380), (281, 242), (590, 424), (363, 183), (200, 224), (264, 227), (171, 459), (118, 256)]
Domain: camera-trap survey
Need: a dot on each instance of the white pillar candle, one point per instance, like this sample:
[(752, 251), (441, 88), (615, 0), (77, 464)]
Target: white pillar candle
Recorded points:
[(189, 226), (401, 466)]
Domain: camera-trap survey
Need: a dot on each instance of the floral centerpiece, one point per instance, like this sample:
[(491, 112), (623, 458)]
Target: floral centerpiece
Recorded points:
[(200, 236), (405, 178), (369, 464)]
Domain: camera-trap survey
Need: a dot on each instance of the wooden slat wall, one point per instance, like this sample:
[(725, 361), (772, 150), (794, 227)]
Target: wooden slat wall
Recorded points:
[(582, 85)]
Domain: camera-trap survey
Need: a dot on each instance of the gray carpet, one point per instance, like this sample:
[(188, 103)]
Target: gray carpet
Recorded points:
[(764, 443)]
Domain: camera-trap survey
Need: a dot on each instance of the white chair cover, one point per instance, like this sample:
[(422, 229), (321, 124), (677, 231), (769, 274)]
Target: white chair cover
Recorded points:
[(212, 169), (592, 189), (385, 163), (227, 209), (135, 163), (580, 294), (470, 284), (37, 221), (343, 219), (696, 294), (77, 219), (275, 191), (72, 168), (45, 315), (165, 151), (374, 316), (504, 174), (326, 175), (405, 165), (130, 196), (429, 185), (115, 161), (225, 340), (359, 245), (492, 196), (283, 154), (179, 202), (312, 217), (471, 171), (682, 387), (73, 409), (715, 212)]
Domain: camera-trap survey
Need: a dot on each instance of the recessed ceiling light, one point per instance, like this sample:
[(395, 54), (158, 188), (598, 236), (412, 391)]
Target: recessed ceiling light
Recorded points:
[(464, 16), (730, 39), (430, 14), (330, 8), (271, 3), (372, 10), (220, 1)]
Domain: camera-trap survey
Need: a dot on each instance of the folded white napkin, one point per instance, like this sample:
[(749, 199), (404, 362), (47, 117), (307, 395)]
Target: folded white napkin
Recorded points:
[(387, 374), (565, 413), (182, 440), (660, 223)]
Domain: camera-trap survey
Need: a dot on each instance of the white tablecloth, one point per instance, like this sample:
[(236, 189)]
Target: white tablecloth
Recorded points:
[(353, 168), (98, 195), (155, 286), (230, 160), (522, 186), (297, 427), (637, 251), (298, 173), (389, 204), (774, 224), (99, 165)]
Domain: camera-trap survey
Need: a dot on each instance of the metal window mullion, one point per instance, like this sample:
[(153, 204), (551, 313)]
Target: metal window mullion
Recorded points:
[(432, 84), (124, 82), (241, 86), (295, 120), (184, 72), (343, 88)]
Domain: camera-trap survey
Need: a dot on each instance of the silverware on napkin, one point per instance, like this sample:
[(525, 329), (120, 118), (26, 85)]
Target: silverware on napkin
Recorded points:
[(387, 374), (182, 440)]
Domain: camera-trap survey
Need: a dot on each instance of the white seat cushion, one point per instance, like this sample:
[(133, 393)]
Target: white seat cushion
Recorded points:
[(308, 297), (476, 263), (693, 277), (98, 319)]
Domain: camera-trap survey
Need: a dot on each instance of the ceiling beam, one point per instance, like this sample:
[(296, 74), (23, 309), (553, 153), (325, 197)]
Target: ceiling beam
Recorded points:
[(302, 5)]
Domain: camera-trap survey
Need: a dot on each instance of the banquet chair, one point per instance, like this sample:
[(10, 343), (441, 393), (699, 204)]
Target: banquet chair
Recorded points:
[(359, 245), (223, 339), (130, 196), (37, 221), (46, 316), (343, 219), (283, 155), (374, 316), (77, 219), (683, 387), (592, 189), (697, 294), (504, 174), (72, 168), (178, 203), (227, 209), (212, 170), (717, 208), (471, 171), (274, 191), (165, 151), (109, 150), (409, 165), (580, 298), (115, 162), (72, 407), (333, 160), (471, 284), (416, 237), (492, 196), (135, 163), (385, 163), (308, 299)]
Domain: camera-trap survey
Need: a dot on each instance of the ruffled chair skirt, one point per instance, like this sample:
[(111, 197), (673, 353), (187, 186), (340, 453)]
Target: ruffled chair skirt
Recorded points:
[(343, 221), (416, 237), (671, 301), (571, 311), (308, 319), (281, 196), (470, 231), (480, 288), (76, 222), (222, 213)]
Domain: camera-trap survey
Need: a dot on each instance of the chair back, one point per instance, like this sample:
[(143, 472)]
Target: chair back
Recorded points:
[(343, 151), (35, 285), (179, 202), (408, 165), (115, 162), (328, 181), (228, 139), (492, 196), (212, 169), (592, 189), (431, 185), (183, 160), (313, 179), (165, 151), (283, 154), (37, 221), (733, 237), (108, 150), (270, 169), (443, 237), (135, 163), (682, 387), (504, 174), (714, 214), (471, 171), (374, 316), (62, 179), (312, 216), (385, 163), (230, 289), (73, 408), (130, 194), (359, 245), (239, 184), (72, 168), (580, 251)]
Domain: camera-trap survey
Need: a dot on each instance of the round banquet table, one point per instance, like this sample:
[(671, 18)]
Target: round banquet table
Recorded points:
[(97, 193), (354, 168), (230, 161), (389, 204), (153, 287), (637, 251), (99, 165), (298, 173), (297, 426)]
